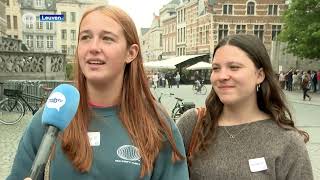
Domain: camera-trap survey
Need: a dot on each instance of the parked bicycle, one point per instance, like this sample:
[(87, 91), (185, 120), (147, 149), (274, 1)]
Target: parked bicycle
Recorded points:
[(164, 94), (15, 105), (179, 108), (199, 87)]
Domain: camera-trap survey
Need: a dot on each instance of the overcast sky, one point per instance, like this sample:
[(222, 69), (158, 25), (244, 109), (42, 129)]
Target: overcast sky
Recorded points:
[(141, 11)]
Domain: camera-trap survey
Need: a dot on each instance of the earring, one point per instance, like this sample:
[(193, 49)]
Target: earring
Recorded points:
[(258, 87)]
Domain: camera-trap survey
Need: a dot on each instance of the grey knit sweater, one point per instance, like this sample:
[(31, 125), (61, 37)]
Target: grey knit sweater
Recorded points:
[(284, 151)]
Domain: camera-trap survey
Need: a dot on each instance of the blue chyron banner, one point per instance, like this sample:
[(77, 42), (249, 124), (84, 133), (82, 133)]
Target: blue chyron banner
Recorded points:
[(51, 17)]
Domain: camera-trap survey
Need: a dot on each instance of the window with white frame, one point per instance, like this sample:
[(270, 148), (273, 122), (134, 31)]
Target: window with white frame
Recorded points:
[(207, 34), (240, 29), (29, 23), (49, 25), (39, 23), (8, 22), (73, 35), (276, 29), (227, 9), (200, 36), (222, 31), (50, 42), (250, 8), (72, 49), (39, 3), (73, 16), (15, 22), (29, 39), (259, 31), (64, 34), (64, 49), (40, 41), (273, 9)]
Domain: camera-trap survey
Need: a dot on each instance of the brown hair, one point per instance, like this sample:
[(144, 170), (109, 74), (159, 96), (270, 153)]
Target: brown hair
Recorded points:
[(270, 97), (138, 111)]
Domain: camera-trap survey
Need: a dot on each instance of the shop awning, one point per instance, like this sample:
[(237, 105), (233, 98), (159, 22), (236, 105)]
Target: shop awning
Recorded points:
[(169, 63), (200, 65)]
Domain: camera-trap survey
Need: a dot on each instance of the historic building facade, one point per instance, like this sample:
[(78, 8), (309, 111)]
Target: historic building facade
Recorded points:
[(13, 17), (3, 21)]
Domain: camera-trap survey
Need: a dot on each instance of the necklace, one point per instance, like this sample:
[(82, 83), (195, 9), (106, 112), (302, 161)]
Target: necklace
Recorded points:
[(232, 136)]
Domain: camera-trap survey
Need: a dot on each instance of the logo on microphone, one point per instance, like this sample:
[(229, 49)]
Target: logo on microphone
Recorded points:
[(56, 100)]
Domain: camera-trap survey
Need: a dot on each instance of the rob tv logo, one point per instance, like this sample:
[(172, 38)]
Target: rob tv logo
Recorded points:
[(52, 17)]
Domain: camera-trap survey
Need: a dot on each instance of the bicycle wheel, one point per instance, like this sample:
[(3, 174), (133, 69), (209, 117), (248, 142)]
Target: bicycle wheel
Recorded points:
[(195, 89), (176, 113), (11, 111), (203, 90)]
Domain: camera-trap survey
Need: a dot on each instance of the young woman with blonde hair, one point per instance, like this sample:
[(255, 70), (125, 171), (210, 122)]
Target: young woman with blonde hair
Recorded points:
[(137, 140)]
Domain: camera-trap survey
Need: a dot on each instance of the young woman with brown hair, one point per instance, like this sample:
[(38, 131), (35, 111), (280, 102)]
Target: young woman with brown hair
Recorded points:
[(246, 130), (119, 131)]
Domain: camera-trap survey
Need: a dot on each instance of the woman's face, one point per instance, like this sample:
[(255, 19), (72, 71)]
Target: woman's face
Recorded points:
[(102, 49), (234, 76)]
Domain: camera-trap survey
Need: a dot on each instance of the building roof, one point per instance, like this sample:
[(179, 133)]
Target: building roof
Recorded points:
[(144, 30), (177, 2)]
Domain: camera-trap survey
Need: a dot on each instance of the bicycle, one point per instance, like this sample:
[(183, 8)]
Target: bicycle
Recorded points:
[(199, 87), (180, 107), (14, 106), (164, 94)]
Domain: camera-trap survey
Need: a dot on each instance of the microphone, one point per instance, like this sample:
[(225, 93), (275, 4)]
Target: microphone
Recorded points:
[(59, 110)]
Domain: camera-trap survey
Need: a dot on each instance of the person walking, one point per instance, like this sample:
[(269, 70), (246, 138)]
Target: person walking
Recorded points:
[(306, 85), (119, 130), (177, 79), (246, 130)]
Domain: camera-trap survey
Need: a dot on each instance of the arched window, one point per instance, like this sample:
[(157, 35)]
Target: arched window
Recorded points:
[(250, 8)]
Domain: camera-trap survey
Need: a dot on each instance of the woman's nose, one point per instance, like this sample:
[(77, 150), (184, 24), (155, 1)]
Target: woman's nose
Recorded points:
[(95, 46), (221, 74)]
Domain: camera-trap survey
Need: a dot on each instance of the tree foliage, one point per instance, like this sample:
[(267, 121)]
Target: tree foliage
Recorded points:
[(302, 28)]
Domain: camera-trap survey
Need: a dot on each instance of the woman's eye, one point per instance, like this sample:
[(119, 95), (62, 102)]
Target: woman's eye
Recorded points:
[(215, 68), (84, 37), (106, 38), (234, 67)]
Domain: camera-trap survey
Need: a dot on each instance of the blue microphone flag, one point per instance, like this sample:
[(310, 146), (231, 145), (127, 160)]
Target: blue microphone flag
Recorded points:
[(61, 106)]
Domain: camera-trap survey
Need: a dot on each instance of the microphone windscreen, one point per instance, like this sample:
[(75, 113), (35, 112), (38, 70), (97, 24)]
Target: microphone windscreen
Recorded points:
[(61, 106)]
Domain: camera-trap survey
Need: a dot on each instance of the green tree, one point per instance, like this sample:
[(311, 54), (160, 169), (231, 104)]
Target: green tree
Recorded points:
[(302, 28)]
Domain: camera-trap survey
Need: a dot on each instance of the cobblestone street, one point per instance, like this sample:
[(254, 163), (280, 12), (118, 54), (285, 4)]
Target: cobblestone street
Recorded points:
[(10, 136), (306, 113)]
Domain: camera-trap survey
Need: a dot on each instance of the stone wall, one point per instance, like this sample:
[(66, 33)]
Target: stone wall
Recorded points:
[(18, 65)]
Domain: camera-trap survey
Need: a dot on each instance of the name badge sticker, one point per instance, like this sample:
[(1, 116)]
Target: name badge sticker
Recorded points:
[(257, 164), (94, 138)]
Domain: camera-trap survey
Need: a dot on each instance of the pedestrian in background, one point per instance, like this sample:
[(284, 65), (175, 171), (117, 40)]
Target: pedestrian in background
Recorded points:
[(177, 78), (318, 80), (306, 85), (133, 137), (295, 83), (314, 81), (282, 80), (246, 130), (155, 79)]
